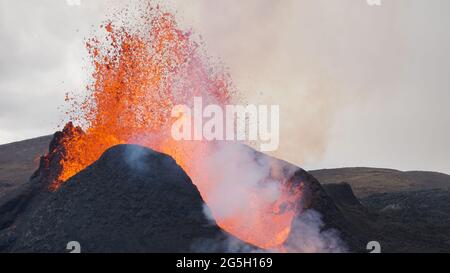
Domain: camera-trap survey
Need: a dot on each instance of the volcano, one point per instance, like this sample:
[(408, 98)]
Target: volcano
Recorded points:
[(147, 204), (141, 74), (134, 199)]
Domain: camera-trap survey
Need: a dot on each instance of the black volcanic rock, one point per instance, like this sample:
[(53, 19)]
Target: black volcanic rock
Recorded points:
[(132, 199), (337, 229), (412, 221), (342, 194), (359, 219)]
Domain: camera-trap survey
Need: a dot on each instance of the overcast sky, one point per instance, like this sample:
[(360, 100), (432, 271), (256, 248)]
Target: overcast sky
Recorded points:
[(357, 85)]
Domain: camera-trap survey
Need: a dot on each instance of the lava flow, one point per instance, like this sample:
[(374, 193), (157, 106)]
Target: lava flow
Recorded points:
[(139, 75)]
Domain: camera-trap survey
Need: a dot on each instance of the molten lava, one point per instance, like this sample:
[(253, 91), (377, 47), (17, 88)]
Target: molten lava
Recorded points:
[(139, 75)]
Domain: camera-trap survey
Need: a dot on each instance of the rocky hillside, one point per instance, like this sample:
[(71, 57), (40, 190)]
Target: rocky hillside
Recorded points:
[(367, 181), (19, 160), (404, 211)]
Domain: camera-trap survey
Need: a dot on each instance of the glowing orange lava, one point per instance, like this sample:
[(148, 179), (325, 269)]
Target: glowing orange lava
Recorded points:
[(139, 75)]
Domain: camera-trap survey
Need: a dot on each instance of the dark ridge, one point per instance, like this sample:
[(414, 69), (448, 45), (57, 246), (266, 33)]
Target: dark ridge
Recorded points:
[(342, 194), (18, 160), (334, 217), (367, 181)]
